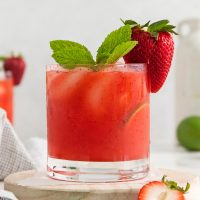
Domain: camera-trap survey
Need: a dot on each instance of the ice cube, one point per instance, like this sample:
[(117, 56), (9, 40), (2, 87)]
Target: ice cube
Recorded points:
[(98, 93)]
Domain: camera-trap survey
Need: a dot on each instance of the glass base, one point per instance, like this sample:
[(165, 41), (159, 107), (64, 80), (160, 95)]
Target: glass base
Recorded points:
[(82, 171)]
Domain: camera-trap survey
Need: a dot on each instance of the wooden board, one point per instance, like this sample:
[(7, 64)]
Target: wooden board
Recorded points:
[(34, 185)]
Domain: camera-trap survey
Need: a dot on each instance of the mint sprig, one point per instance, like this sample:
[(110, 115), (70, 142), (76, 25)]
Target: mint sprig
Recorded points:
[(121, 50), (114, 39), (117, 44), (68, 53)]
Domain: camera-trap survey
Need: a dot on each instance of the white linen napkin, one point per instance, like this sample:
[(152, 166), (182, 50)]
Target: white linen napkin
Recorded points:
[(5, 195), (37, 149), (13, 155)]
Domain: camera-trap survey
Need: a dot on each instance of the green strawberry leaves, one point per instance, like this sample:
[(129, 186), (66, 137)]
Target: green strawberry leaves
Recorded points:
[(133, 23), (174, 185), (117, 44), (169, 28), (154, 28), (145, 25), (2, 58), (161, 26), (129, 22)]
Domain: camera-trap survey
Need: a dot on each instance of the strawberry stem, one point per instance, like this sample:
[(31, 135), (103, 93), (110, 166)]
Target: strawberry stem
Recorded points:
[(174, 185), (157, 26), (2, 58), (122, 21), (154, 28), (161, 26), (146, 25), (130, 22)]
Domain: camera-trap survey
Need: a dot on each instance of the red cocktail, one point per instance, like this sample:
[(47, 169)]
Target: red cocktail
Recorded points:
[(98, 122), (6, 96)]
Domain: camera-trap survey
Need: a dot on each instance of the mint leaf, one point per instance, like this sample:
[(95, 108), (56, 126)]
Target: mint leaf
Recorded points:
[(69, 58), (115, 38), (57, 45), (68, 53), (121, 50), (117, 44), (103, 57)]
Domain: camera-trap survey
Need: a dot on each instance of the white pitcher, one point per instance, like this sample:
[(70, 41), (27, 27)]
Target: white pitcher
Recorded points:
[(187, 74)]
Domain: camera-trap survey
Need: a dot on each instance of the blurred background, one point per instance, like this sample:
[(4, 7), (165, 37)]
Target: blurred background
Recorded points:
[(28, 26)]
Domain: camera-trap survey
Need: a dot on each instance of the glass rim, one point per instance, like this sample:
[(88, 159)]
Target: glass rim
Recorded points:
[(99, 67), (6, 75)]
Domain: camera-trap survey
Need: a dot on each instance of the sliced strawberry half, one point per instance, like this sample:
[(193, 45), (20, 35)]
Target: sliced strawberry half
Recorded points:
[(156, 190), (162, 190), (155, 47)]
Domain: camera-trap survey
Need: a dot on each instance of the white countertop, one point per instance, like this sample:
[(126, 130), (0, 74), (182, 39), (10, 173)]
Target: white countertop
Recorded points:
[(173, 156)]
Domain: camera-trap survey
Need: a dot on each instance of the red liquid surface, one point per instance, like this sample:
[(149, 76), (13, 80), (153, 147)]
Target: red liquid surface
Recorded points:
[(6, 97), (98, 116)]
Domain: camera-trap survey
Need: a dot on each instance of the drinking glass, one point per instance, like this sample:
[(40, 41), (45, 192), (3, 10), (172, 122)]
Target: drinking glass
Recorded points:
[(6, 95), (98, 122)]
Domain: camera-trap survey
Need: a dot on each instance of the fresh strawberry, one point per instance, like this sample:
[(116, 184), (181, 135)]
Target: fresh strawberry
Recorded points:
[(165, 190), (155, 47), (160, 60), (142, 51), (17, 66), (156, 190)]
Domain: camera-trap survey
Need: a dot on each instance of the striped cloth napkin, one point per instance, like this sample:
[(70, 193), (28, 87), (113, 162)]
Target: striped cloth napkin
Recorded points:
[(13, 155)]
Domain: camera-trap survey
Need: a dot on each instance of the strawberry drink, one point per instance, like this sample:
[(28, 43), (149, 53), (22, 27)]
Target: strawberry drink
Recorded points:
[(98, 109), (103, 117), (6, 96), (11, 74)]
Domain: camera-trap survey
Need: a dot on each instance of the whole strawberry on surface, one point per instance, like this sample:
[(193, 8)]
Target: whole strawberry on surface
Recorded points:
[(162, 190), (155, 47), (16, 65)]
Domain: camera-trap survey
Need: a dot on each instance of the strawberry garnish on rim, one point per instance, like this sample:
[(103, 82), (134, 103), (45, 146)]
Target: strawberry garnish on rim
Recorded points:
[(155, 47), (162, 190)]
